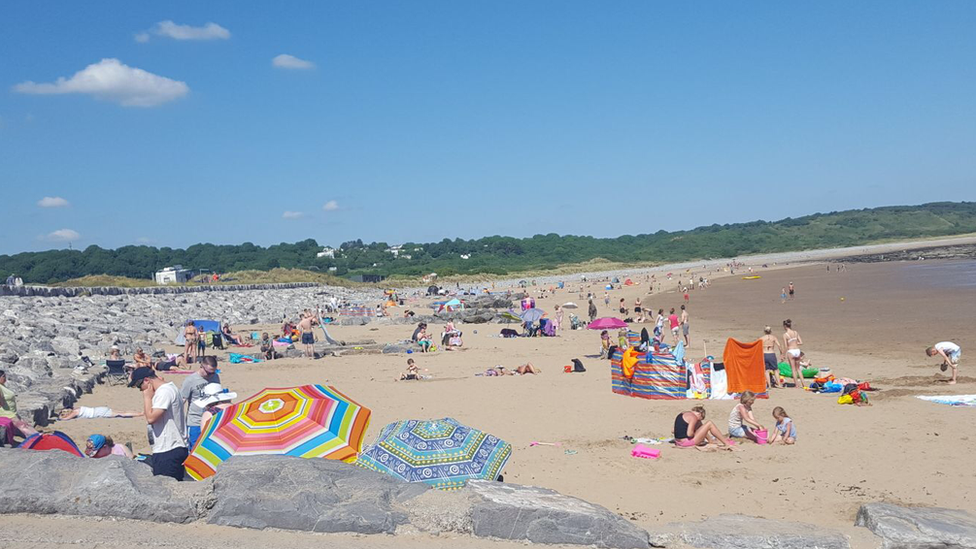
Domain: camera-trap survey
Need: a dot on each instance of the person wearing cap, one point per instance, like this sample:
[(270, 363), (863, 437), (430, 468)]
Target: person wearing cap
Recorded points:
[(192, 390), (99, 446), (163, 408), (215, 398)]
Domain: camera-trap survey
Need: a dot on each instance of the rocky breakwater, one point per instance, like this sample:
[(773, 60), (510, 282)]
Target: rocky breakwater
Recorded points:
[(43, 339)]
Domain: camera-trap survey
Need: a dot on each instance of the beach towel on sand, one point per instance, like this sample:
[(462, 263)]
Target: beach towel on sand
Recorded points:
[(744, 367)]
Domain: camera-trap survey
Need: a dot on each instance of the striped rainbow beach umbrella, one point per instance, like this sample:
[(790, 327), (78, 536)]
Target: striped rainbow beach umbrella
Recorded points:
[(310, 421)]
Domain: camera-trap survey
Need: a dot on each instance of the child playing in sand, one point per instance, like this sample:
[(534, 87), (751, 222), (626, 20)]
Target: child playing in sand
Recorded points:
[(86, 412), (412, 373), (605, 343), (741, 421), (950, 353), (785, 428)]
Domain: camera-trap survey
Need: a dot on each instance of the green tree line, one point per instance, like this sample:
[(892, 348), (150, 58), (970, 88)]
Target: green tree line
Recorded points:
[(503, 255)]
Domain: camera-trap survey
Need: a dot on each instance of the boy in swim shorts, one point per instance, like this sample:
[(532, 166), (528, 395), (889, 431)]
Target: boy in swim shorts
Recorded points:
[(950, 353)]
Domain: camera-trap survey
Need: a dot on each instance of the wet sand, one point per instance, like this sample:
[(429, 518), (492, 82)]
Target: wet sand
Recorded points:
[(901, 450)]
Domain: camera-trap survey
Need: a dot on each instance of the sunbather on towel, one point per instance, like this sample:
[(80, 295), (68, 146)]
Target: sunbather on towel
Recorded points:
[(94, 412)]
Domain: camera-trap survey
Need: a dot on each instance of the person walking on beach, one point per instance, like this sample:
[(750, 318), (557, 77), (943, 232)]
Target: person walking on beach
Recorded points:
[(557, 321), (685, 326), (792, 342), (792, 290), (950, 353), (163, 408), (674, 323), (592, 311), (192, 390), (771, 350)]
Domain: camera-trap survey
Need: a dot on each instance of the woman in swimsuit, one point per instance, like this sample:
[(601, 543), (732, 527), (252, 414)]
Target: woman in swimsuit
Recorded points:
[(771, 350), (191, 335), (792, 342), (691, 430)]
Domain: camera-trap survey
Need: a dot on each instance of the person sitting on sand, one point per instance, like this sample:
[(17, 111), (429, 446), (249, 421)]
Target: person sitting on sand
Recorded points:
[(691, 430), (115, 353), (950, 354), (421, 337), (785, 428), (412, 373), (94, 412), (141, 358), (8, 408), (449, 332), (99, 446), (267, 347), (741, 421)]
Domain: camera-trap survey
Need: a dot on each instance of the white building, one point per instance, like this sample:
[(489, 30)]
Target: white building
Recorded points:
[(173, 275), (395, 250), (327, 252)]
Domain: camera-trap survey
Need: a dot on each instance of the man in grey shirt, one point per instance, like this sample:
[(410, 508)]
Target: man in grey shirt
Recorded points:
[(192, 390)]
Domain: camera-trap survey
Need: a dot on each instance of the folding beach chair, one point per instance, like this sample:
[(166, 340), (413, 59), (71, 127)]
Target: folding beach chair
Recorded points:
[(116, 372)]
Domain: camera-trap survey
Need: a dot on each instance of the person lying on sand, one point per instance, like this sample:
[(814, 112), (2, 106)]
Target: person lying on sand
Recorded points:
[(93, 412), (692, 431), (524, 369)]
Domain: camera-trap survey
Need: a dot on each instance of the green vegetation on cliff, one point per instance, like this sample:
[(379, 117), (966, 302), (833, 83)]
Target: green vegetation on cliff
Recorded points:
[(499, 255)]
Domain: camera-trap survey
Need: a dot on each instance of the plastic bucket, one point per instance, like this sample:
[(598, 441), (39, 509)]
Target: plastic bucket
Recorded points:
[(761, 436)]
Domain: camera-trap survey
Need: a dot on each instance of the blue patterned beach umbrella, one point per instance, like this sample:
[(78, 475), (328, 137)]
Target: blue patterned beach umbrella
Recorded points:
[(440, 452)]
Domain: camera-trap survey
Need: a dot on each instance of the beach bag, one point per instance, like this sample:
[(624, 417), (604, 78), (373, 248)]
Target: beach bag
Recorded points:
[(578, 365)]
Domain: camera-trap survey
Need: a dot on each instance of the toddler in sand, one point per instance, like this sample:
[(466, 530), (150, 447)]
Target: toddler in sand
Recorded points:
[(785, 428), (741, 421), (412, 373)]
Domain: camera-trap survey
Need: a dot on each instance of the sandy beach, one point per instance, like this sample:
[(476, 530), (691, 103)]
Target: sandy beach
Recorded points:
[(845, 456)]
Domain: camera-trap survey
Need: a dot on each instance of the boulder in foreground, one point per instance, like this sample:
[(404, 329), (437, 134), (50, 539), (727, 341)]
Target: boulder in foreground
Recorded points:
[(743, 532), (55, 482), (918, 527), (316, 495)]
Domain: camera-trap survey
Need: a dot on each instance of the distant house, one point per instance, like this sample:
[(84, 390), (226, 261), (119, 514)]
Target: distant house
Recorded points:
[(373, 278), (333, 269), (395, 250), (173, 275), (327, 252)]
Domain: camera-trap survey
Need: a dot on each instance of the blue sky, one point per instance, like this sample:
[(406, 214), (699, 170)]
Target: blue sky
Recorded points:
[(400, 121)]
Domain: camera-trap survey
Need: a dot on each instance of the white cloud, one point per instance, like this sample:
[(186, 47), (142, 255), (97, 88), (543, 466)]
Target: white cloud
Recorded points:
[(291, 215), (63, 235), (285, 61), (112, 80), (331, 206), (53, 202), (169, 29)]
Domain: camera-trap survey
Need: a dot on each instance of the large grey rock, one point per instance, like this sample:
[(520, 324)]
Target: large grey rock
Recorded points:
[(742, 532), (55, 482), (509, 511), (316, 495), (918, 527)]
